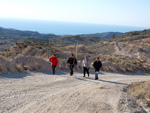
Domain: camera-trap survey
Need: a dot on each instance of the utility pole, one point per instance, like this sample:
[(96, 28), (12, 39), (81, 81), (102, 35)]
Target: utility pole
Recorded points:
[(48, 48), (76, 50), (7, 53)]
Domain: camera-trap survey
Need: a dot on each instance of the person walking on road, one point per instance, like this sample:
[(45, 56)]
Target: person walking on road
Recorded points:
[(86, 66), (54, 62), (97, 65), (72, 61)]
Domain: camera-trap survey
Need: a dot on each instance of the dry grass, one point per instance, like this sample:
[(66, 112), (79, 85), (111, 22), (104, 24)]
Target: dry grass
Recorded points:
[(1, 69), (37, 59), (140, 92), (35, 68), (26, 67), (39, 67), (19, 68), (10, 69)]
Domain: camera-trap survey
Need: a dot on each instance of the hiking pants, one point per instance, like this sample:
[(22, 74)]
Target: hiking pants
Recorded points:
[(53, 68), (85, 70), (71, 69)]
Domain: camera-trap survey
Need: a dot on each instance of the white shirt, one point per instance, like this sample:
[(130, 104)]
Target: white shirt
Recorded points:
[(86, 63)]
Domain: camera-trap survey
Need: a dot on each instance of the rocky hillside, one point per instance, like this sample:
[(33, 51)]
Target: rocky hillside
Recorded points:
[(27, 52), (127, 53), (23, 53), (132, 44)]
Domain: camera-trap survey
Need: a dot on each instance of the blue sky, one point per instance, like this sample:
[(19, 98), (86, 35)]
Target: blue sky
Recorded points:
[(113, 12)]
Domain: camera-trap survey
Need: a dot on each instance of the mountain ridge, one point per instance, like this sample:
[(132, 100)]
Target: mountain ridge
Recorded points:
[(13, 33), (24, 33), (104, 35), (10, 36)]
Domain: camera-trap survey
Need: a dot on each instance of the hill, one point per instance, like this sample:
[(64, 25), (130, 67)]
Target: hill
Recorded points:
[(13, 33), (71, 40), (9, 37), (28, 54), (105, 35), (132, 44), (134, 35), (127, 53)]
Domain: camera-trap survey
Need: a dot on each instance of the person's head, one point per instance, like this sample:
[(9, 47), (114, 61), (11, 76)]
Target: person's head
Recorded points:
[(54, 55), (72, 55), (97, 59), (86, 58)]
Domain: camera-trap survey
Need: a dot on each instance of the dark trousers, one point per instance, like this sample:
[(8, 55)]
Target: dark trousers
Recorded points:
[(53, 68), (85, 70), (71, 69)]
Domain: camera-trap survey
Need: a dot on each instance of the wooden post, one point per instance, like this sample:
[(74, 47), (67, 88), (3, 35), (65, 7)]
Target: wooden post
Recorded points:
[(7, 53), (76, 50), (48, 49)]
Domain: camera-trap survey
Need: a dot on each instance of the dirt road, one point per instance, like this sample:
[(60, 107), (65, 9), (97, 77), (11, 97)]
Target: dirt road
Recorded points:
[(121, 51), (45, 93)]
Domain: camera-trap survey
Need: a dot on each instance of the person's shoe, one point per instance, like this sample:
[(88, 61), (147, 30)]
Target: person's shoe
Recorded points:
[(96, 78), (83, 76), (88, 76)]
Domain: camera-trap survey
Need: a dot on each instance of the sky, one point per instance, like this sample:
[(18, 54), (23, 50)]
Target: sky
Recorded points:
[(111, 12)]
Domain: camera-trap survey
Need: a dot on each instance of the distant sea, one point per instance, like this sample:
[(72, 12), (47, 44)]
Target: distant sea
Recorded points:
[(63, 28)]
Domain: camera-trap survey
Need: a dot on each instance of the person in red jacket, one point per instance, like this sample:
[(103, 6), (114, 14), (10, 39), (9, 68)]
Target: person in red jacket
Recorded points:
[(54, 62)]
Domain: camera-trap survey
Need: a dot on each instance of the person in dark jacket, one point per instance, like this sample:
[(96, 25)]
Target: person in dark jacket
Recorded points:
[(97, 65), (54, 62), (72, 61)]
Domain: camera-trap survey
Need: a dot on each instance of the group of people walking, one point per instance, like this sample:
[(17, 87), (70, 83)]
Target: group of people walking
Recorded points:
[(72, 61)]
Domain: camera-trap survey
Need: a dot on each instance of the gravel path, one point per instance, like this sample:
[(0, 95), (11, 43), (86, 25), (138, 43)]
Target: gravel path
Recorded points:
[(45, 93)]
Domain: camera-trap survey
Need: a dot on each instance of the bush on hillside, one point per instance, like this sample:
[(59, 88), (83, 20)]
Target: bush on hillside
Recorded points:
[(140, 91), (1, 69)]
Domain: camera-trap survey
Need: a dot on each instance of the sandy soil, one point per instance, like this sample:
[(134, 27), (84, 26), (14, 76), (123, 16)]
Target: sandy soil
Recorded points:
[(45, 93)]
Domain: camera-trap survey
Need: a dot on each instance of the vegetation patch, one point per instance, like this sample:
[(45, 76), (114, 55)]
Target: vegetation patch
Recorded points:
[(140, 91), (1, 69), (19, 68)]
